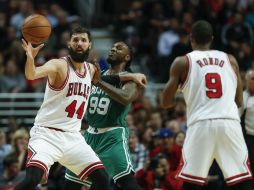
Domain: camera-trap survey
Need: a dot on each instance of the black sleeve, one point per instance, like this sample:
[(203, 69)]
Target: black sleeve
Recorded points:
[(111, 79)]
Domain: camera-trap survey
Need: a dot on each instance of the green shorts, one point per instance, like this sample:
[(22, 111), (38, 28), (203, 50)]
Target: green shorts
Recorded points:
[(113, 150)]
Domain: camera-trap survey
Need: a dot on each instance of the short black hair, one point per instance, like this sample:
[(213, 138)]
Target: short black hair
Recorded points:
[(202, 32), (155, 161), (79, 29)]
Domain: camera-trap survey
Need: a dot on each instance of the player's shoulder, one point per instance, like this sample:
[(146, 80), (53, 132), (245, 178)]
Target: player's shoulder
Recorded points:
[(59, 64), (57, 61), (180, 62), (181, 59)]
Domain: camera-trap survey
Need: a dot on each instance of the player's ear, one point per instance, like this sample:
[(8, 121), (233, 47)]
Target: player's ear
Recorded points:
[(69, 45), (127, 58), (90, 46)]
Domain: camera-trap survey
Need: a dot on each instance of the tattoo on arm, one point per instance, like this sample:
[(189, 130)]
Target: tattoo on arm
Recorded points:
[(123, 95)]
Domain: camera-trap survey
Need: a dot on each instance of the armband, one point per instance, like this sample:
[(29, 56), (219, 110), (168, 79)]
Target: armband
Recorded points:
[(111, 79)]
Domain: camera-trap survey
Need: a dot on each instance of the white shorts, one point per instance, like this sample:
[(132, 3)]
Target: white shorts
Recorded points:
[(218, 139), (47, 146)]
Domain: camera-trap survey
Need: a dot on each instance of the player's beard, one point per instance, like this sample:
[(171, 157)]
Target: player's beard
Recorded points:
[(79, 57), (113, 62)]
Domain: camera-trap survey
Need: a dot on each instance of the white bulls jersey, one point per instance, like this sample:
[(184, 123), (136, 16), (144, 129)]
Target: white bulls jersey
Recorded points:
[(64, 108), (210, 88)]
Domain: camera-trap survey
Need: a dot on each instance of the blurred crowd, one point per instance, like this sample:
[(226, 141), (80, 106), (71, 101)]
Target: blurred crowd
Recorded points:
[(158, 32)]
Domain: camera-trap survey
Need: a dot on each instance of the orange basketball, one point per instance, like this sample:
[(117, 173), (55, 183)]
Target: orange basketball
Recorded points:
[(36, 29)]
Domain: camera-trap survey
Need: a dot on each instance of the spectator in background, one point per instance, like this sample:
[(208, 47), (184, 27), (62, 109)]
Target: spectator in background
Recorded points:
[(63, 40), (155, 122), (167, 39), (180, 111), (158, 175), (173, 125), (168, 148), (62, 26), (3, 32), (148, 139), (179, 138), (12, 126), (129, 22), (25, 9), (249, 18), (129, 120), (87, 10), (181, 47), (139, 152), (19, 146), (5, 149), (236, 33), (12, 47), (245, 56), (140, 117), (12, 174), (247, 116), (226, 11), (12, 81)]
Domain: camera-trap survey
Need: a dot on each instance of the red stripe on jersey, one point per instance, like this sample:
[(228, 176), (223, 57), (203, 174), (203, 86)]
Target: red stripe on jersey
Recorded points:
[(239, 181), (193, 177), (64, 84), (89, 169), (38, 164), (78, 74), (191, 181)]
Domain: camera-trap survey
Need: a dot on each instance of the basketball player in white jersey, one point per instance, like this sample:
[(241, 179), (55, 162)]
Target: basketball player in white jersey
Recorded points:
[(211, 85), (56, 135)]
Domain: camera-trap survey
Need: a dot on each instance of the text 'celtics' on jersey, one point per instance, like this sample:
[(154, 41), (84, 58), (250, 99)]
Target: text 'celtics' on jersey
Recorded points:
[(103, 111)]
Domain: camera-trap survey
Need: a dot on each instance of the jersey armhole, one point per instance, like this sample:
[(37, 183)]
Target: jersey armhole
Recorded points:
[(65, 81), (188, 75), (230, 65)]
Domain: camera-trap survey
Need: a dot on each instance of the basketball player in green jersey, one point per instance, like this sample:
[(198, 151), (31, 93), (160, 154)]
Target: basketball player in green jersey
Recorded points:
[(107, 133)]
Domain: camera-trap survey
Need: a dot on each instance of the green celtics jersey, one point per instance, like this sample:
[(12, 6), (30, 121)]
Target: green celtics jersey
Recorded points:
[(103, 111)]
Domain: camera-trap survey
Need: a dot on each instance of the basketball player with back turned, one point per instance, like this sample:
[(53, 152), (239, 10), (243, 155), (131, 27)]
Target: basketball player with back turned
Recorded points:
[(211, 85)]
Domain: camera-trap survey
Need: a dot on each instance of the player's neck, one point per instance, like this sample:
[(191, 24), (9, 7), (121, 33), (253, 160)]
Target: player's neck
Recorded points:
[(202, 47), (76, 65), (116, 69)]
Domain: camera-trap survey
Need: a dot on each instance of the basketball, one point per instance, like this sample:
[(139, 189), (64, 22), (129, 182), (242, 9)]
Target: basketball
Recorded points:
[(36, 29)]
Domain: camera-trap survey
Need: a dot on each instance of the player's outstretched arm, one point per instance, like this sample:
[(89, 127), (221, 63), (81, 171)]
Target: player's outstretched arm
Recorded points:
[(177, 75), (239, 89), (124, 95), (31, 71)]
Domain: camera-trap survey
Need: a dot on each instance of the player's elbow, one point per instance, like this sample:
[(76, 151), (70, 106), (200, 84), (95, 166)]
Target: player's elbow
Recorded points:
[(239, 102), (29, 76), (163, 104), (126, 100)]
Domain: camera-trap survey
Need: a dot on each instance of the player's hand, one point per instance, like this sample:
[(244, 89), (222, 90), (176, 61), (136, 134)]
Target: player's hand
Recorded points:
[(140, 79), (31, 51), (97, 73)]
